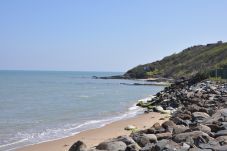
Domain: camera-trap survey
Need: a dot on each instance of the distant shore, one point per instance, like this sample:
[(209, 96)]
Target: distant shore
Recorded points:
[(95, 136)]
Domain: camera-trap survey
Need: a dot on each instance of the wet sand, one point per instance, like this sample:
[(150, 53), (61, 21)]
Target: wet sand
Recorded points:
[(93, 137)]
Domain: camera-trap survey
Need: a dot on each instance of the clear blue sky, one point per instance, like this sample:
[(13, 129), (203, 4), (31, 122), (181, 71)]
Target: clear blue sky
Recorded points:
[(103, 35)]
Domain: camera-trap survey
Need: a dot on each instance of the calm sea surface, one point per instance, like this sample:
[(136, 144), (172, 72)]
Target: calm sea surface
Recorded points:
[(37, 106)]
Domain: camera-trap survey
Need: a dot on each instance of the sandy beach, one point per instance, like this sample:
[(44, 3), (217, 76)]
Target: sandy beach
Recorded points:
[(95, 136)]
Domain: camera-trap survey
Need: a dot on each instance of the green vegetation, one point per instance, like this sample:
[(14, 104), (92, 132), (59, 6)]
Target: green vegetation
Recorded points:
[(187, 63)]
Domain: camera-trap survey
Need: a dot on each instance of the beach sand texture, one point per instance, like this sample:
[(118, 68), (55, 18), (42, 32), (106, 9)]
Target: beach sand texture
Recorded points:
[(95, 136)]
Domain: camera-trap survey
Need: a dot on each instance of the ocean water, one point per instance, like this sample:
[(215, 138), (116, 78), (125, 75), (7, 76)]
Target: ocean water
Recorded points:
[(38, 106)]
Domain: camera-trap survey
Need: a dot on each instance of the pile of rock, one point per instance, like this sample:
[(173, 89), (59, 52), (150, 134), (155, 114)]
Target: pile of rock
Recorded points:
[(198, 121)]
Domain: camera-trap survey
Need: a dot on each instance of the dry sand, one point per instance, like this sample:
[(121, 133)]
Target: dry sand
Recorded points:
[(95, 136)]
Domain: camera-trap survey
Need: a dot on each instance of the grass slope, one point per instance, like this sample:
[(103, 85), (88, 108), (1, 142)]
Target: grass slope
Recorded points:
[(186, 63)]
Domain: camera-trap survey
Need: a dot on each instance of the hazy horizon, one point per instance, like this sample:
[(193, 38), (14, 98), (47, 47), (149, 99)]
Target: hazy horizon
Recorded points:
[(103, 35)]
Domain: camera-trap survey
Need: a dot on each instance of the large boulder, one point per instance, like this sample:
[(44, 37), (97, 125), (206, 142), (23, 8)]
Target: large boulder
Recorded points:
[(112, 146), (221, 133), (200, 127), (222, 140), (132, 147), (219, 116), (166, 145), (179, 129), (192, 136), (78, 146), (143, 139), (199, 116), (166, 135), (126, 139)]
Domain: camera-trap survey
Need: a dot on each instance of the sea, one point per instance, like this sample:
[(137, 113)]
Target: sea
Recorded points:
[(39, 106)]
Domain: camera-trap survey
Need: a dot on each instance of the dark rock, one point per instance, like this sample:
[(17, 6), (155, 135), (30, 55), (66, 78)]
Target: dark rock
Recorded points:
[(221, 148), (202, 128), (167, 145), (222, 140), (168, 124), (166, 135), (112, 146), (132, 147), (195, 135), (156, 126), (148, 147), (78, 146), (179, 129), (179, 121), (126, 139), (199, 116), (214, 127), (143, 139), (221, 133), (210, 145)]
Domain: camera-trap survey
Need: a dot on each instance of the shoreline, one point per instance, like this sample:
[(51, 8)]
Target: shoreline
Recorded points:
[(95, 136)]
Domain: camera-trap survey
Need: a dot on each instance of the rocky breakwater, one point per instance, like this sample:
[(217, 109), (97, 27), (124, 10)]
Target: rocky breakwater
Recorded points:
[(198, 121)]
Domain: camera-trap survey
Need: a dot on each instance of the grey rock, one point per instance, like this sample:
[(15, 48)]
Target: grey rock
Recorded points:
[(185, 147), (143, 139), (199, 116), (167, 145), (222, 140), (220, 116), (221, 148), (78, 146), (210, 145), (221, 133), (126, 139), (112, 146), (184, 137), (132, 147), (202, 128), (148, 147), (179, 129), (166, 135)]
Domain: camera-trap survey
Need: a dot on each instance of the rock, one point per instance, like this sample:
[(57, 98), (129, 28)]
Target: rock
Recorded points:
[(143, 139), (166, 135), (195, 108), (214, 127), (199, 116), (168, 124), (78, 146), (221, 148), (220, 115), (185, 147), (93, 149), (148, 147), (221, 133), (184, 137), (179, 129), (222, 140), (179, 121), (112, 146), (126, 139), (161, 119), (158, 109), (131, 128), (156, 126), (210, 145), (166, 145), (202, 128), (185, 116), (167, 112), (132, 147)]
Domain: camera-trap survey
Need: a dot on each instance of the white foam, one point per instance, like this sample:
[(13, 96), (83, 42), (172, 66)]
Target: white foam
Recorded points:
[(69, 130), (16, 142)]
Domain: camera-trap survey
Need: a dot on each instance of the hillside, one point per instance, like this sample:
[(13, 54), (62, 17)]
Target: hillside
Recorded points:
[(187, 63)]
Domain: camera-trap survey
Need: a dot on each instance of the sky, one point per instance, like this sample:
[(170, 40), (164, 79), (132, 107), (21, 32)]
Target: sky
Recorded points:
[(103, 35)]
